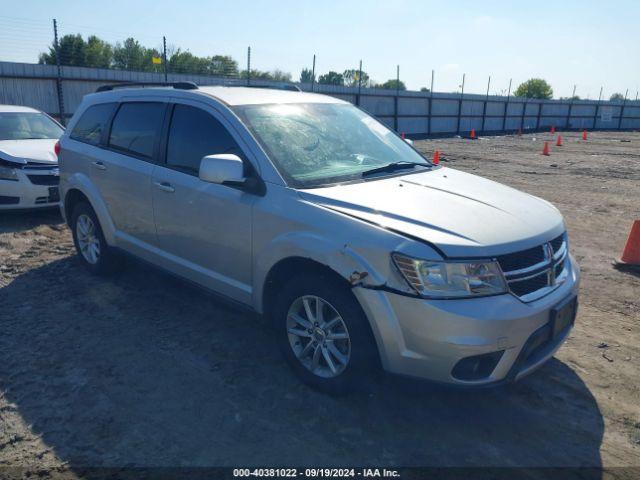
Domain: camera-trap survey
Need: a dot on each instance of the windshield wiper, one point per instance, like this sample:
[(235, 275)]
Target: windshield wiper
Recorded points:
[(393, 166)]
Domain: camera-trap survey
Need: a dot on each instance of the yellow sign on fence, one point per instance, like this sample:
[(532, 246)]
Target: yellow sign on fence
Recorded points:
[(156, 60)]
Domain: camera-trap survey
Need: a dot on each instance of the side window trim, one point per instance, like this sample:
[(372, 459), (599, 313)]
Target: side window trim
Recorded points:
[(156, 144)]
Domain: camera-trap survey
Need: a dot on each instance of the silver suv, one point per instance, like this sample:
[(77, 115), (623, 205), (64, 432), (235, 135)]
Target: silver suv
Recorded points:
[(301, 206)]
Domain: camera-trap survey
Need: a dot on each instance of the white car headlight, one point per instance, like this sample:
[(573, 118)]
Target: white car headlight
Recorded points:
[(451, 279), (7, 173)]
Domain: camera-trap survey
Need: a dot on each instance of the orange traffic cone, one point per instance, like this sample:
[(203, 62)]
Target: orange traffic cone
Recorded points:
[(631, 254), (436, 157), (584, 135), (473, 134), (545, 150), (553, 129), (559, 141)]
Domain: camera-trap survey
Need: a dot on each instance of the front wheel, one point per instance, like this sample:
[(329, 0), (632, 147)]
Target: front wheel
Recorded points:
[(324, 334)]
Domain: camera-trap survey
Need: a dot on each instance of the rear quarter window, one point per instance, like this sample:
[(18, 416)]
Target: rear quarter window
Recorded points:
[(92, 123)]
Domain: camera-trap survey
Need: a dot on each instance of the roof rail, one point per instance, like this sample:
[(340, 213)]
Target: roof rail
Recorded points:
[(177, 85), (282, 86)]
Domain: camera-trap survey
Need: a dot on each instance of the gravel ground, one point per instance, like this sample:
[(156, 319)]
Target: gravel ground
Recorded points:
[(144, 370)]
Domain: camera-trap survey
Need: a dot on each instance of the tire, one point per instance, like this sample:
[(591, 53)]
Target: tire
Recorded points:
[(86, 230), (359, 350)]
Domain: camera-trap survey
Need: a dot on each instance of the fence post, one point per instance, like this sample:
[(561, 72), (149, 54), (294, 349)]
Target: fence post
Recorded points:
[(359, 84), (430, 104), (506, 108), (395, 99), (313, 72), (540, 103), (248, 66), (56, 46), (164, 56), (484, 106), (570, 108), (595, 115), (460, 103), (524, 111), (622, 109)]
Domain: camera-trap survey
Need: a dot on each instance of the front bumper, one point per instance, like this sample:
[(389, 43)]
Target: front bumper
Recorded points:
[(25, 194), (427, 338)]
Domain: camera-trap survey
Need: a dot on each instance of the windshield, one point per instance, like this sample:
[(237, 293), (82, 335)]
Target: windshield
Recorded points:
[(27, 125), (315, 144)]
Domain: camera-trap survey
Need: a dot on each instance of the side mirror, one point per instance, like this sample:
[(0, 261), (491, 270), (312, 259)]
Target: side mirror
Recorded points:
[(224, 168), (409, 141)]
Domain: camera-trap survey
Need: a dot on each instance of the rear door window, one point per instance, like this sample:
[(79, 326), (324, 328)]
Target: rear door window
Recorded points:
[(193, 134), (92, 123), (136, 128)]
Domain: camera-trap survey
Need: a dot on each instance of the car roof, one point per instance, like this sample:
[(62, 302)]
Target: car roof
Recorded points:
[(17, 109), (256, 96), (229, 95)]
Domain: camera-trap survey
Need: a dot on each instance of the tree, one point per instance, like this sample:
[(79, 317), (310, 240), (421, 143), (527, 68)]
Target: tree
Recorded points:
[(99, 53), (392, 84), (534, 88), (223, 65), (331, 78), (130, 55), (306, 76), (424, 89), (575, 97), (73, 51), (351, 78), (616, 96)]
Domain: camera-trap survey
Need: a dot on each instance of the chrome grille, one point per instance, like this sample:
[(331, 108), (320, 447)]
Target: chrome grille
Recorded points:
[(535, 272)]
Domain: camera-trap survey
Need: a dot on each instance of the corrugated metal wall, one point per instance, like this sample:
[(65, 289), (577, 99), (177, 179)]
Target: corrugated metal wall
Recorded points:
[(414, 113)]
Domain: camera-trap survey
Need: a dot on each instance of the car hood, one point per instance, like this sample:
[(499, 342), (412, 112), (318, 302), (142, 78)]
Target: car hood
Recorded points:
[(461, 214), (23, 151)]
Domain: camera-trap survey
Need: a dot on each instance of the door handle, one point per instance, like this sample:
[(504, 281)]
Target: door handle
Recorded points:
[(165, 186), (99, 165)]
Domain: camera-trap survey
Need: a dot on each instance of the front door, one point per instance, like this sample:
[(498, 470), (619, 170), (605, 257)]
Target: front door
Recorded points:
[(204, 229)]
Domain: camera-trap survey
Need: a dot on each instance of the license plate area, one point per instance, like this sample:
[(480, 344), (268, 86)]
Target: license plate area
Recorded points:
[(563, 315), (54, 194)]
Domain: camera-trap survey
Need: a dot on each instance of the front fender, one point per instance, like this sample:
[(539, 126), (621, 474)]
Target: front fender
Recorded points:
[(340, 257), (82, 183)]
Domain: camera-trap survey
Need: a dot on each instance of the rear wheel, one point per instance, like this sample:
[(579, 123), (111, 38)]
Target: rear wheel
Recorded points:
[(93, 251), (324, 334)]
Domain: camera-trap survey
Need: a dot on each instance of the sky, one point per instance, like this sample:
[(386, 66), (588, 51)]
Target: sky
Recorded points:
[(590, 44)]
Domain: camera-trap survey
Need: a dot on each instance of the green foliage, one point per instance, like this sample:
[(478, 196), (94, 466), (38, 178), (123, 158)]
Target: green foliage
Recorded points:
[(575, 97), (274, 75), (616, 96), (131, 55), (392, 84), (306, 76), (331, 78), (535, 88), (351, 78), (424, 89)]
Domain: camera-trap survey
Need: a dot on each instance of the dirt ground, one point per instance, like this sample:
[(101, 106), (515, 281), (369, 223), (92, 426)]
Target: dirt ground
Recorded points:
[(144, 370)]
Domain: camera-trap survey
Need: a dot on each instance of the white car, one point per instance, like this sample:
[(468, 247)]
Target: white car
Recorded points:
[(29, 175)]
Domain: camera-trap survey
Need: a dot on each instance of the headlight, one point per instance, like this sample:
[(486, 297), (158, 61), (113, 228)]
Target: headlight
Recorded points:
[(7, 173), (451, 279)]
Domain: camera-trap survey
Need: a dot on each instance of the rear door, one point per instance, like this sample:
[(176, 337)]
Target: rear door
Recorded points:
[(122, 170), (204, 228)]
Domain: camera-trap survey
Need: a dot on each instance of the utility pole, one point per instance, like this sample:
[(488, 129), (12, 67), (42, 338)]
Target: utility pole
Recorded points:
[(396, 98), (56, 46), (248, 66), (595, 114), (570, 107), (313, 72), (622, 109), (464, 75), (506, 107), (164, 56)]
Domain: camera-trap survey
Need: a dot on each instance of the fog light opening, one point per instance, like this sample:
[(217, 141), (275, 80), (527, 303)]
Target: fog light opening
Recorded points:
[(476, 367)]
